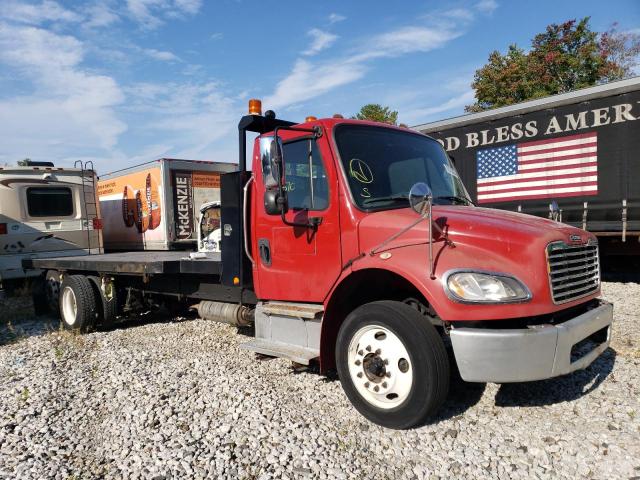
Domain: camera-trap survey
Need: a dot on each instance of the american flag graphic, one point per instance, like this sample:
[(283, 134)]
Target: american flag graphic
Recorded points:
[(558, 167)]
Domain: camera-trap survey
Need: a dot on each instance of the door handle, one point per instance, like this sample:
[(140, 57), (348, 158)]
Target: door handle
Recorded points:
[(265, 251)]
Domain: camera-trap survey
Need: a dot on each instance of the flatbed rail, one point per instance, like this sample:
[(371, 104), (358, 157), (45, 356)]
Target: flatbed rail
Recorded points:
[(135, 263)]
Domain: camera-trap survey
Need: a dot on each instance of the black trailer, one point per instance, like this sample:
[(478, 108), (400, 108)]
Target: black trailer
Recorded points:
[(573, 157), (171, 277)]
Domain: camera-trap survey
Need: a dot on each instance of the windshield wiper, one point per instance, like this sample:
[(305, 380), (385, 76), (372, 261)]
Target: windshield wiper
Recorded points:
[(455, 199), (389, 198)]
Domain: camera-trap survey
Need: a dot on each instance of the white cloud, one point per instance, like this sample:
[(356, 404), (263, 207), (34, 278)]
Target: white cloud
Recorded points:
[(335, 18), (487, 6), (161, 55), (216, 36), (188, 6), (151, 14), (310, 79), (459, 14), (407, 40), (100, 15), (68, 108), (47, 11), (140, 11), (189, 116), (425, 114), (320, 41)]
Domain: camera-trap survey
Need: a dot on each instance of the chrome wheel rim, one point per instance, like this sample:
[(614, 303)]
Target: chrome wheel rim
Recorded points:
[(69, 306), (380, 366)]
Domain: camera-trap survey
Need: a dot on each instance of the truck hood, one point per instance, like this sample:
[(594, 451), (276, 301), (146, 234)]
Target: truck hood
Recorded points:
[(495, 229), (478, 239)]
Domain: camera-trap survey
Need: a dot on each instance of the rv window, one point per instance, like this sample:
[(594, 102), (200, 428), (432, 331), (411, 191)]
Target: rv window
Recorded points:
[(49, 201)]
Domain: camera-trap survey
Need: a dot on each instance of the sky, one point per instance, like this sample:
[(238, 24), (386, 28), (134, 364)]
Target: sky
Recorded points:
[(124, 82)]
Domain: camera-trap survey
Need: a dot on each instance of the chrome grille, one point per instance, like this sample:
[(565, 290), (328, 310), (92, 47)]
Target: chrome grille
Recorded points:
[(574, 270)]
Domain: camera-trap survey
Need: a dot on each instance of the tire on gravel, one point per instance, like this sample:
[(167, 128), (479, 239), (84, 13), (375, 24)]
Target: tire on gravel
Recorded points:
[(371, 368), (107, 307), (78, 290), (52, 290), (39, 297)]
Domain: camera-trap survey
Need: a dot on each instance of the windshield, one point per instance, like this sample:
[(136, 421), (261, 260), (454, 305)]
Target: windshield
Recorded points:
[(382, 165)]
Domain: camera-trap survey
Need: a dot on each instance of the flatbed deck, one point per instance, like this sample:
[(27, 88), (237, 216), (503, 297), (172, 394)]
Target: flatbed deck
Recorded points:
[(170, 262)]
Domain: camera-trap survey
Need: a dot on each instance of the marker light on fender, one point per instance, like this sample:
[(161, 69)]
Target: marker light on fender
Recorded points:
[(255, 107)]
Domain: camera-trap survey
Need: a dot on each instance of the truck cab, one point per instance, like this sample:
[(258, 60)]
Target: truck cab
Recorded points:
[(371, 224)]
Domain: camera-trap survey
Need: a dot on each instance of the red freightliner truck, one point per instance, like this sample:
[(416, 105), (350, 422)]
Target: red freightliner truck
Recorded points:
[(355, 244)]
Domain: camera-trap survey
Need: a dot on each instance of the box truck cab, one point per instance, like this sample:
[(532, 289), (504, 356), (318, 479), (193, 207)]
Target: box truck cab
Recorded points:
[(46, 211), (355, 245)]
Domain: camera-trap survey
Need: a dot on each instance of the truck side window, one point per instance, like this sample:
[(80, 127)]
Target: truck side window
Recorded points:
[(305, 190), (49, 201)]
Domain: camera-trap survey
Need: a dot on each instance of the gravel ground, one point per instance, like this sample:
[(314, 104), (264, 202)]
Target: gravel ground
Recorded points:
[(181, 400)]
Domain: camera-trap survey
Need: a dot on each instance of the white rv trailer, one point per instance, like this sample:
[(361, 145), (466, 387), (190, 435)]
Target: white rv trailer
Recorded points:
[(46, 211)]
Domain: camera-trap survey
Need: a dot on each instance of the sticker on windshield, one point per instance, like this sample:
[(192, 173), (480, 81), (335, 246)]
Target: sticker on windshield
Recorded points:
[(359, 170)]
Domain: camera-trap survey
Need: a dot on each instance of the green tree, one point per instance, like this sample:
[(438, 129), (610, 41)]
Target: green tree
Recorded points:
[(565, 57), (377, 113), (24, 162)]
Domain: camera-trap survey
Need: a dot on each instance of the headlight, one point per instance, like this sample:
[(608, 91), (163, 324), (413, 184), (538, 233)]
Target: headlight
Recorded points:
[(476, 287)]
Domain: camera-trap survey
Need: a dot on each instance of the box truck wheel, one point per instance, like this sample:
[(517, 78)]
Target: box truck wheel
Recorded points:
[(392, 364), (78, 303), (52, 290), (39, 296), (46, 293)]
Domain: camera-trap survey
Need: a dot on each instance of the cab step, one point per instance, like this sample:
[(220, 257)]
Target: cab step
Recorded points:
[(294, 353), (288, 330)]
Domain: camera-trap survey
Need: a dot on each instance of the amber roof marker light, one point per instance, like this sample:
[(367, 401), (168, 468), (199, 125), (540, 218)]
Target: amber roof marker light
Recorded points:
[(255, 107), (310, 118)]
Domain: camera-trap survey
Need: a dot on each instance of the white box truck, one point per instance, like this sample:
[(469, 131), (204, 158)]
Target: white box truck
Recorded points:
[(156, 205)]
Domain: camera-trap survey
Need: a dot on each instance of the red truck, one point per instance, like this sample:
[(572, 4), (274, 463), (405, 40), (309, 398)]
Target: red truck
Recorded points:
[(355, 245)]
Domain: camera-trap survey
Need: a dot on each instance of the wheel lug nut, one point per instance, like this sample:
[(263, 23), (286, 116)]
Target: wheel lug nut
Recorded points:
[(384, 384), (386, 361), (367, 384), (376, 388), (388, 374), (378, 352), (359, 374), (360, 352), (368, 348), (358, 362)]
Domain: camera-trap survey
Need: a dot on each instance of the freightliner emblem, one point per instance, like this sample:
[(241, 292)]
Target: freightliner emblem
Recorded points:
[(575, 238)]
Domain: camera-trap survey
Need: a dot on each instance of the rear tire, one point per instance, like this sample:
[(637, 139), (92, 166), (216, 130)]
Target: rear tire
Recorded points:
[(52, 290), (392, 364), (39, 297), (107, 307), (78, 303)]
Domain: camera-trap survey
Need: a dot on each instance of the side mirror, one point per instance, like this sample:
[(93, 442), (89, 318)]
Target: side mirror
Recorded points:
[(271, 158), (420, 198), (274, 203)]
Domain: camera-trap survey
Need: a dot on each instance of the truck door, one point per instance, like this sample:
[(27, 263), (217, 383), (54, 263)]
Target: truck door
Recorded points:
[(297, 263)]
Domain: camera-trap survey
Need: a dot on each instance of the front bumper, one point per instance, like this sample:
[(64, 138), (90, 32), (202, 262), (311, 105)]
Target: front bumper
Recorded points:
[(520, 355)]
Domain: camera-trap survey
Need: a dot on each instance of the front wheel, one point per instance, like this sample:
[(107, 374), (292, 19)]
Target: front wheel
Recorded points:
[(392, 364)]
